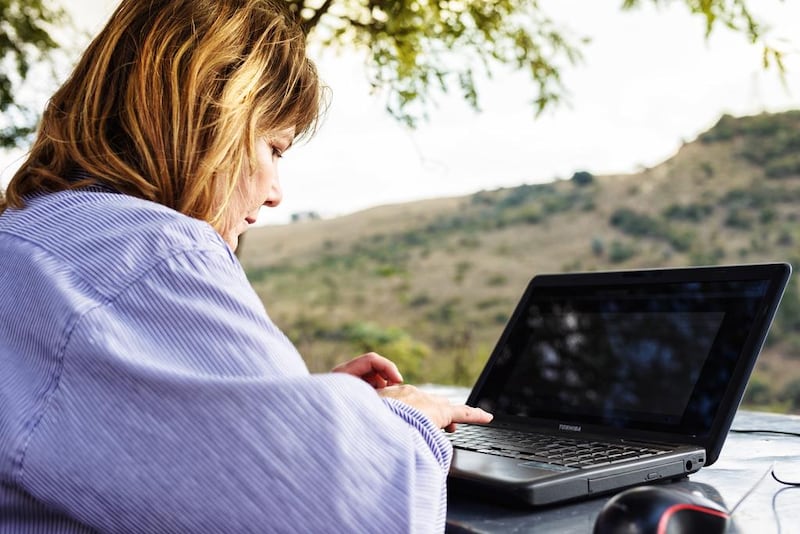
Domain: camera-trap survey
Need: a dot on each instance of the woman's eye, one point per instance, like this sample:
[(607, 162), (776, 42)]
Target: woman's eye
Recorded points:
[(277, 152)]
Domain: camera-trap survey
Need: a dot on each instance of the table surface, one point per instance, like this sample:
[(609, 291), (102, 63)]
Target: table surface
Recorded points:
[(740, 469)]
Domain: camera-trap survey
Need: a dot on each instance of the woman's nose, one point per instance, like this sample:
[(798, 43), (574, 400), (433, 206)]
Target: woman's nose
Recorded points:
[(275, 195)]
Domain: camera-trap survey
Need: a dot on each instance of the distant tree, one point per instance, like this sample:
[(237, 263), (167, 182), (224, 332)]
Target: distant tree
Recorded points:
[(305, 216), (582, 178), (415, 48)]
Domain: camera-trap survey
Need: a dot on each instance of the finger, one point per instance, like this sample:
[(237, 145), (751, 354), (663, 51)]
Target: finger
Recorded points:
[(375, 380), (384, 367), (358, 366), (469, 414), (373, 362)]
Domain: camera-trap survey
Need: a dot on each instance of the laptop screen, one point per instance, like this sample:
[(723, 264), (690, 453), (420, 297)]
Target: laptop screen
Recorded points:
[(648, 355)]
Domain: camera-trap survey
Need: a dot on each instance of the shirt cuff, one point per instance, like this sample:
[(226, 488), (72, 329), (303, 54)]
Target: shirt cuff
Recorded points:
[(433, 436)]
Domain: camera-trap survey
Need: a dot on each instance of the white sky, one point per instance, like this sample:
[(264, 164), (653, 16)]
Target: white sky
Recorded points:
[(649, 80)]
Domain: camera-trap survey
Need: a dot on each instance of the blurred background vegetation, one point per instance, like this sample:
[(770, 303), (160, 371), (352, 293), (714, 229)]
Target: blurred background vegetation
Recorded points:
[(431, 284)]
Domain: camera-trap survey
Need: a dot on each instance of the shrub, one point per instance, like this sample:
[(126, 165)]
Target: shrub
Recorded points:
[(620, 251), (770, 139), (707, 169), (419, 301), (531, 214), (636, 224), (387, 271), (500, 318), (758, 392), (394, 343), (680, 240), (497, 280), (445, 313), (641, 225), (767, 215), (785, 238), (461, 270), (523, 194), (582, 178), (707, 255), (787, 165), (490, 303), (484, 198), (739, 219), (791, 394), (725, 129), (787, 318), (597, 246), (469, 242), (694, 212)]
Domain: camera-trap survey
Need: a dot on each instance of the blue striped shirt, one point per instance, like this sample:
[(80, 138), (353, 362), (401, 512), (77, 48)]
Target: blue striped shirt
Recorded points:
[(143, 388)]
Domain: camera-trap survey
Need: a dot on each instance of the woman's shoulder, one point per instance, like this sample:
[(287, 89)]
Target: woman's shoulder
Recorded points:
[(95, 216), (110, 235)]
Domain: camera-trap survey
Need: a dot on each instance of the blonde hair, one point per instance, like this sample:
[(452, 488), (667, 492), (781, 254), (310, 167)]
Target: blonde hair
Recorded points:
[(168, 101)]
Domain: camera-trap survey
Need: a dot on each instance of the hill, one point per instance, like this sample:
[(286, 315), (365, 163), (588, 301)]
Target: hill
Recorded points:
[(431, 284)]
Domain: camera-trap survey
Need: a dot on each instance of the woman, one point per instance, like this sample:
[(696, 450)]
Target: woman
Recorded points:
[(144, 387)]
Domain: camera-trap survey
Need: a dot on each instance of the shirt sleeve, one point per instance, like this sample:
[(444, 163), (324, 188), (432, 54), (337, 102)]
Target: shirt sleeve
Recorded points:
[(180, 407)]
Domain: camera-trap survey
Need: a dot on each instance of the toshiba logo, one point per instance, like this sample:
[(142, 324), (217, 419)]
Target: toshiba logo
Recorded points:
[(571, 428)]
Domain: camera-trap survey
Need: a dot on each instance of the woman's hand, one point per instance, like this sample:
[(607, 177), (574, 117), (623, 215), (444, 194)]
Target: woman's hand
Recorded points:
[(377, 371), (438, 409)]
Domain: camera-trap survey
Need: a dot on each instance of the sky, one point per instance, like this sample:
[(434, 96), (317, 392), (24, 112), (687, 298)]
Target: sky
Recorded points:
[(648, 82)]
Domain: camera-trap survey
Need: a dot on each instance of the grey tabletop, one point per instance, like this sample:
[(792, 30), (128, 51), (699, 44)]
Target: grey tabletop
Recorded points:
[(738, 474)]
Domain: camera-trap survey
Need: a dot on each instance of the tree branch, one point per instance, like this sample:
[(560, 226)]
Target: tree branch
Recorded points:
[(309, 24)]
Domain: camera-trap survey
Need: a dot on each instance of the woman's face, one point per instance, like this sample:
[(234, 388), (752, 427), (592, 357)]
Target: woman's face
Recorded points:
[(261, 188)]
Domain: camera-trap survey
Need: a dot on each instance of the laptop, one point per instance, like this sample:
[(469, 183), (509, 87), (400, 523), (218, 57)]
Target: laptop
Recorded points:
[(605, 380)]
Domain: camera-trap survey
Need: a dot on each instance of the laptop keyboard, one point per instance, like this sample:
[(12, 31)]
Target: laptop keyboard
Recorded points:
[(547, 449)]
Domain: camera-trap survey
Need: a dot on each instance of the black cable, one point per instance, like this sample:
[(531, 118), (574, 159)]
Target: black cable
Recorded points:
[(774, 506), (770, 431), (784, 482), (764, 431), (790, 485)]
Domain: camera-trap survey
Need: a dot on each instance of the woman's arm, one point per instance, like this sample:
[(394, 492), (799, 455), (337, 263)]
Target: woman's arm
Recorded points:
[(181, 407)]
